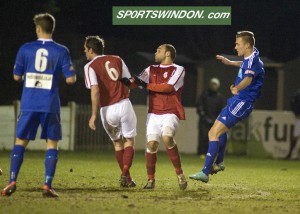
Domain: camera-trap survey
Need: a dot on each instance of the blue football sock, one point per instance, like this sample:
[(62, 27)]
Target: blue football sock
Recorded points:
[(16, 161), (50, 166), (223, 141), (210, 156)]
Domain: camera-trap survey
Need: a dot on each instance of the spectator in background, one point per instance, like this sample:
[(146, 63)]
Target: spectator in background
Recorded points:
[(209, 106), (295, 106)]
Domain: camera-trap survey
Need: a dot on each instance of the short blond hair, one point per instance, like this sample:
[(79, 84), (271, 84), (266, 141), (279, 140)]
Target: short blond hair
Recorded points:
[(46, 21), (247, 36)]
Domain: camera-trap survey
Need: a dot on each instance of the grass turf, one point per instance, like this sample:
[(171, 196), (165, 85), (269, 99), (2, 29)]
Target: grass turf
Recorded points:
[(88, 183)]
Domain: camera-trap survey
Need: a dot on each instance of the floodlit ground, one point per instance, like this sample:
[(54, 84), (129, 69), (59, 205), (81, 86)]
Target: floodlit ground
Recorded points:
[(88, 183)]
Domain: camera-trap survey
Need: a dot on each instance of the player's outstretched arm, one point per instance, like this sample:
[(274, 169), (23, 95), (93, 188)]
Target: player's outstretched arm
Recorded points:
[(162, 88), (139, 82), (226, 61), (129, 82), (126, 81)]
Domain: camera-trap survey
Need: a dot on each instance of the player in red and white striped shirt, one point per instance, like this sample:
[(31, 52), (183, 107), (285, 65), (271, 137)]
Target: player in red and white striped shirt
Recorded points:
[(165, 83), (102, 76)]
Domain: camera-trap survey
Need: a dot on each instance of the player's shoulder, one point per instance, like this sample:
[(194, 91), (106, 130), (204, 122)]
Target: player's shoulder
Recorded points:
[(257, 62), (153, 66), (87, 65), (252, 61), (178, 66), (256, 57), (112, 57), (28, 45), (105, 58), (60, 47)]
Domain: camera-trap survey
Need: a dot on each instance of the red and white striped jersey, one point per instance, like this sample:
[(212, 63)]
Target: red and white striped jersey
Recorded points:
[(106, 71), (165, 103)]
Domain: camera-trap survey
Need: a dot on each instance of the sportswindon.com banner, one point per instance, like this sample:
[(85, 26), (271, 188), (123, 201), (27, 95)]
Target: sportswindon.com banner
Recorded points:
[(177, 15)]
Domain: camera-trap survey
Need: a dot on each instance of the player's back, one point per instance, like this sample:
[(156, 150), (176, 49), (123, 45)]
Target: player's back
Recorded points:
[(109, 70), (41, 62), (44, 56)]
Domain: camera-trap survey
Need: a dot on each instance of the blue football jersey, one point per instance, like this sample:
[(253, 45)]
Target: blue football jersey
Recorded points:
[(251, 66), (41, 63)]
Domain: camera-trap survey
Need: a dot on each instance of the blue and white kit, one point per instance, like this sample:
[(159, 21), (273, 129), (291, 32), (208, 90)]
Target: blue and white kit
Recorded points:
[(240, 106), (41, 63)]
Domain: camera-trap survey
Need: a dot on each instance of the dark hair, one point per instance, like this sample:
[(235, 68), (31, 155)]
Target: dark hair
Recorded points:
[(46, 21), (172, 50), (247, 36), (96, 43)]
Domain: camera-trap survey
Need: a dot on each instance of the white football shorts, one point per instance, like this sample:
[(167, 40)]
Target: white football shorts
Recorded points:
[(156, 123), (297, 128), (119, 120)]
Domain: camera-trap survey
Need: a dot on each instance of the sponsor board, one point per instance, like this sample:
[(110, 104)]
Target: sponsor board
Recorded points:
[(265, 133)]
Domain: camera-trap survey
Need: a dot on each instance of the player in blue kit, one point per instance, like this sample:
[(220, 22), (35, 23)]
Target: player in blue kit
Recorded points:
[(245, 90), (40, 64)]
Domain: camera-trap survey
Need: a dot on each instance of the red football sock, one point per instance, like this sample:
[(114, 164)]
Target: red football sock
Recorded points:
[(175, 158), (127, 160), (151, 159), (119, 156)]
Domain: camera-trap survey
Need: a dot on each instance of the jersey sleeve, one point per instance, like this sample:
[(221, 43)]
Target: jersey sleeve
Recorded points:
[(177, 78), (89, 76), (251, 69), (125, 70), (145, 75), (67, 66), (19, 64)]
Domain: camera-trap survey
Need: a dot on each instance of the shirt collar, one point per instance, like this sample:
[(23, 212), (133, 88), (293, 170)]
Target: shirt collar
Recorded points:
[(255, 52), (96, 57), (165, 65)]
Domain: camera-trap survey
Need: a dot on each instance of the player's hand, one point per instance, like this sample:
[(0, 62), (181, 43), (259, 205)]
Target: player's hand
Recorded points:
[(234, 90), (223, 59), (139, 82), (126, 81), (92, 122)]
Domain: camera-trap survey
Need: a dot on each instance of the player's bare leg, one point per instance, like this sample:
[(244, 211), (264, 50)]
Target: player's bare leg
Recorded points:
[(172, 151), (50, 168), (124, 151), (15, 165), (151, 158)]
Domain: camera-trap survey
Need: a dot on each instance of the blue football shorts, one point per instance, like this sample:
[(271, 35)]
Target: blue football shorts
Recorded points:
[(28, 123), (235, 111)]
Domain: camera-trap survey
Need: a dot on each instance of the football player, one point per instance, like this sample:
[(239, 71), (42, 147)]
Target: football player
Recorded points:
[(40, 64), (164, 81), (102, 76), (245, 90)]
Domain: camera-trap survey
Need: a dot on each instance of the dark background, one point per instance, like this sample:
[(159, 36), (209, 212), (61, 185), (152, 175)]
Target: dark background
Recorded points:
[(276, 25)]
